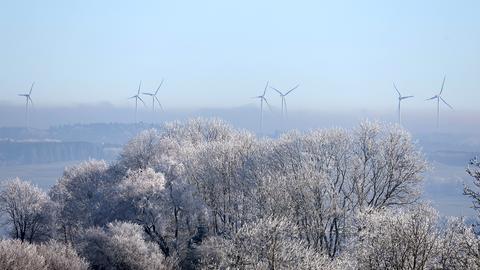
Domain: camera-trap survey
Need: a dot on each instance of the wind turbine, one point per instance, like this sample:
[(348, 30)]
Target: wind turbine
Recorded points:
[(438, 98), (154, 97), (137, 98), (400, 98), (28, 99), (262, 99), (284, 101)]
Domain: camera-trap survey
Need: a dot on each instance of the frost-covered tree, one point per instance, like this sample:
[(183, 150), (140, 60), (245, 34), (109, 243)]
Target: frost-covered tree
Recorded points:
[(150, 146), (474, 192), (184, 213), (27, 209), (458, 247), (142, 151), (199, 130), (122, 246), (205, 194), (304, 178), (411, 238), (83, 197), (387, 166), (321, 178), (264, 244), (15, 254), (60, 256), (397, 239), (142, 191), (47, 256), (218, 171)]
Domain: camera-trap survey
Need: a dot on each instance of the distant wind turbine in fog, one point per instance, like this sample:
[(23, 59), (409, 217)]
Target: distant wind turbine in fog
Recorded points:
[(154, 97), (400, 98), (137, 98), (438, 98), (284, 101), (263, 99), (28, 99)]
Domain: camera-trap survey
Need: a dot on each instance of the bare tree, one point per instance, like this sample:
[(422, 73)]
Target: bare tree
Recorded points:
[(474, 192), (264, 244), (387, 166), (321, 178), (459, 247), (15, 254), (144, 190), (142, 151), (121, 245), (396, 239), (27, 209), (217, 170), (83, 198)]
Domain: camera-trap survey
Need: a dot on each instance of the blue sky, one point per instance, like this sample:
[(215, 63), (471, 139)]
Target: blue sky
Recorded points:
[(344, 54)]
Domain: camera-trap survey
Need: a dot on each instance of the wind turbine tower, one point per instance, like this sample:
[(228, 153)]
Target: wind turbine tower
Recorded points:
[(400, 98), (263, 99), (284, 101), (28, 99), (137, 98), (154, 97), (438, 97)]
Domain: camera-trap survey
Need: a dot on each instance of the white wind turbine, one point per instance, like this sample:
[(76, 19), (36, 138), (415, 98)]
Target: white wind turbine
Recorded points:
[(28, 99), (400, 98), (284, 101), (137, 98), (263, 99), (154, 97), (438, 98)]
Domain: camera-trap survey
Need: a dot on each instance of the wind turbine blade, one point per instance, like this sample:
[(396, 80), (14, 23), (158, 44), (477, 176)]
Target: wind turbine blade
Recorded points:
[(278, 91), (132, 97), (159, 104), (142, 101), (446, 103), (139, 86), (268, 104), (148, 94), (159, 87), (23, 95), (265, 90), (292, 89), (407, 97), (394, 86), (443, 83), (31, 88), (431, 98), (31, 101)]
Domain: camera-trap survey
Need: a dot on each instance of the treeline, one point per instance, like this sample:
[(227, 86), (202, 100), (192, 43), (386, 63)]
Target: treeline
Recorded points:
[(203, 195)]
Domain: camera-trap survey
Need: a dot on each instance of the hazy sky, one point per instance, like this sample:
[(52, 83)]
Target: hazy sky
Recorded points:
[(345, 54)]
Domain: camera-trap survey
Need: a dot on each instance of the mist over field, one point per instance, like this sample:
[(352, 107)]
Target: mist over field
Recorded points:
[(245, 116)]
